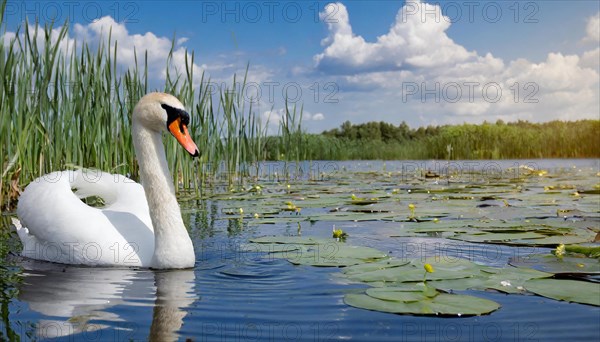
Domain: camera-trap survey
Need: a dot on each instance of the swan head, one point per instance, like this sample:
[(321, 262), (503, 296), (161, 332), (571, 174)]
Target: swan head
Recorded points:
[(159, 112)]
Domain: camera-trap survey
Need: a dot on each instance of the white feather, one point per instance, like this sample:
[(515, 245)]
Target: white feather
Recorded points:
[(57, 226)]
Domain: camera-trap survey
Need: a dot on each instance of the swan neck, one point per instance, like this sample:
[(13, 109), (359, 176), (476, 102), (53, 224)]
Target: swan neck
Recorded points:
[(154, 170), (173, 247)]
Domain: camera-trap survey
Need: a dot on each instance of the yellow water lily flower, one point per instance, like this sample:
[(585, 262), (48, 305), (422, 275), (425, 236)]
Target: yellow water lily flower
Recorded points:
[(428, 269), (560, 250), (411, 207), (338, 233)]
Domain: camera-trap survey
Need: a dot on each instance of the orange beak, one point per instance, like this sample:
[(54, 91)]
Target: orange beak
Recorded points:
[(180, 132)]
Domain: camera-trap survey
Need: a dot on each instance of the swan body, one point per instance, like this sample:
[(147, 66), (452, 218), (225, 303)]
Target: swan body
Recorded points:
[(140, 224)]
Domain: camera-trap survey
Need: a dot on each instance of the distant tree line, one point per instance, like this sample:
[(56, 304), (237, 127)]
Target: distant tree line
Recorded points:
[(500, 140)]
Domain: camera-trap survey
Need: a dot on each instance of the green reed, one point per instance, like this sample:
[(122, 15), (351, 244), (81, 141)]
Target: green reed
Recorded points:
[(72, 109), (517, 140)]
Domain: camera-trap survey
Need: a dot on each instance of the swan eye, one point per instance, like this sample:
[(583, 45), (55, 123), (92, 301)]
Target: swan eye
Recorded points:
[(174, 114)]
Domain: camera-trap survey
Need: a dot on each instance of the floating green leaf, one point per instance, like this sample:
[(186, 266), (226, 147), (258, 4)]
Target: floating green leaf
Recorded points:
[(445, 268), (270, 247), (508, 280), (374, 266), (567, 290), (565, 265), (496, 237), (294, 240), (416, 302), (333, 254)]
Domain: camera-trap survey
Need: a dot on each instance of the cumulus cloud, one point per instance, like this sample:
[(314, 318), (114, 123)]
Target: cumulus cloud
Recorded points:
[(593, 29), (416, 65), (410, 43), (129, 45), (318, 117), (591, 59), (97, 33)]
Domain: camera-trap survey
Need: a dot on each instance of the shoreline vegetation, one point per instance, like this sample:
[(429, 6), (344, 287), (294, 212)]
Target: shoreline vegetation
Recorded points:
[(71, 108), (500, 140)]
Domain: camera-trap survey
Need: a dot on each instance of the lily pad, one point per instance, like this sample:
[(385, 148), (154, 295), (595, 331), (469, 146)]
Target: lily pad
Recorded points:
[(496, 237), (565, 265), (348, 216), (590, 192), (363, 201), (556, 240), (374, 266), (445, 268), (279, 220), (294, 240), (417, 303), (403, 294), (332, 254), (428, 228), (270, 247), (507, 280), (567, 290)]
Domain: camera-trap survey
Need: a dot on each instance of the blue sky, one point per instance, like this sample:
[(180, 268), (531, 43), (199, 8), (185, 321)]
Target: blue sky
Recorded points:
[(420, 62)]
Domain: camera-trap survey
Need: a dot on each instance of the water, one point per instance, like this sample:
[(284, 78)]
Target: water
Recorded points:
[(235, 296)]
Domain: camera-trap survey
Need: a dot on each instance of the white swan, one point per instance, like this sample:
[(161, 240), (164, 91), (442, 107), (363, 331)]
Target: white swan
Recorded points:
[(140, 225)]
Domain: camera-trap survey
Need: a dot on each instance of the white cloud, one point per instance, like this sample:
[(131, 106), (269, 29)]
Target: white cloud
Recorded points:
[(593, 29), (318, 117), (7, 38), (416, 68), (591, 59), (308, 116), (128, 45), (220, 71), (410, 43)]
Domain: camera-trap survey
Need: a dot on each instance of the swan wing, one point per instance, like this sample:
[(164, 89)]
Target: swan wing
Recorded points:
[(57, 226)]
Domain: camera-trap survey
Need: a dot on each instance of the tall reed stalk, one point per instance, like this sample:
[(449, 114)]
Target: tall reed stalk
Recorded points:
[(71, 108)]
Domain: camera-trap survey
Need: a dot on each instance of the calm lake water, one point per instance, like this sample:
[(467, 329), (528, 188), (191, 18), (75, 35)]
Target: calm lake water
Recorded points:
[(232, 295)]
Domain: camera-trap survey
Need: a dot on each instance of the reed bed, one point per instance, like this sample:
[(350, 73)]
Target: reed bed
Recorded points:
[(73, 110), (515, 140)]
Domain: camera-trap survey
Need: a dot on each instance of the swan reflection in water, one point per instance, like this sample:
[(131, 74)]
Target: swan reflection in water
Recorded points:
[(82, 297)]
